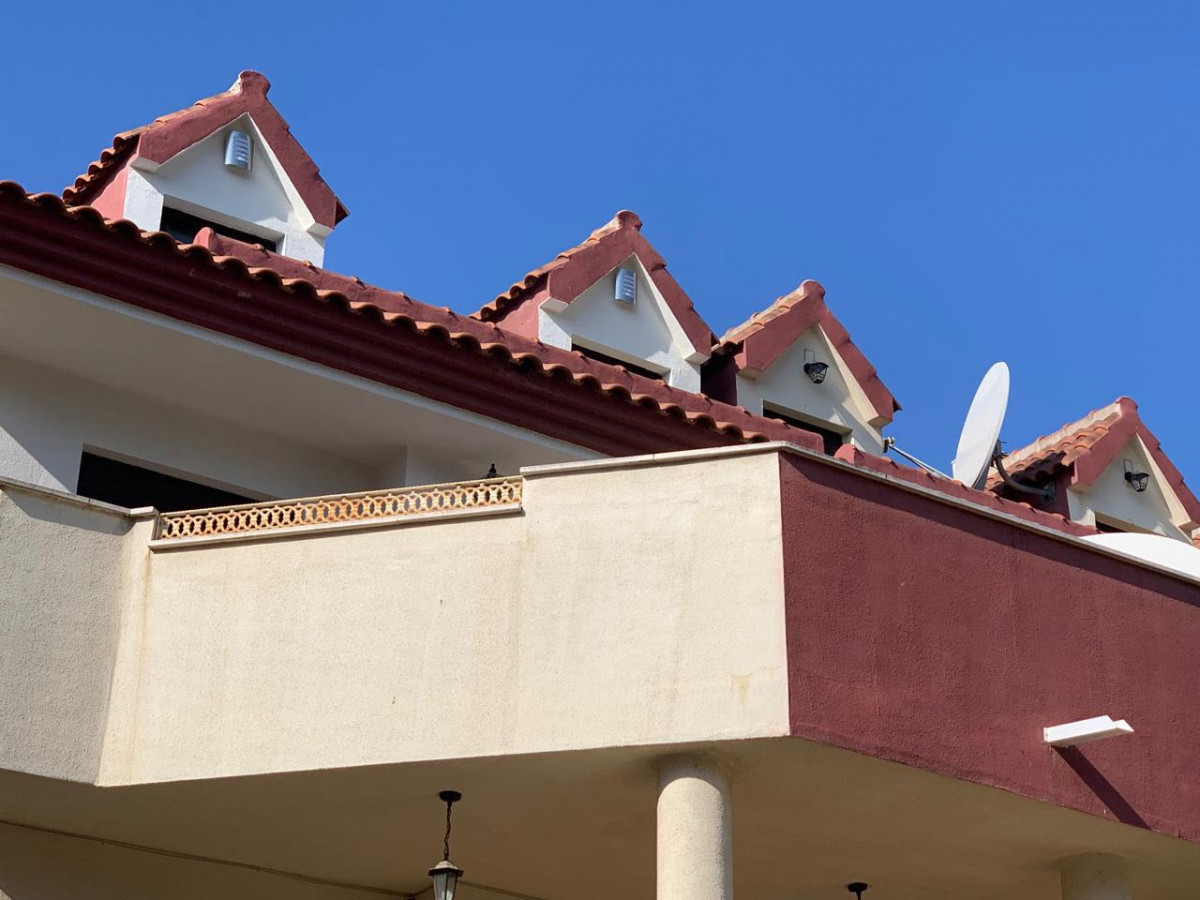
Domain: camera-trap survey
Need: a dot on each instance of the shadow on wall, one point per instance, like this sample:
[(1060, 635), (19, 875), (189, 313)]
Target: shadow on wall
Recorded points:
[(67, 513), (1104, 789)]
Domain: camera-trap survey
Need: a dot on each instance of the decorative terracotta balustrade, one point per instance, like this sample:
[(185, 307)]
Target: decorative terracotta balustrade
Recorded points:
[(366, 508)]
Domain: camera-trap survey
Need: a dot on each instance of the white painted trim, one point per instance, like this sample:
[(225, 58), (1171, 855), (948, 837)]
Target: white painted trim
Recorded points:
[(160, 544), (14, 484), (686, 456), (292, 362)]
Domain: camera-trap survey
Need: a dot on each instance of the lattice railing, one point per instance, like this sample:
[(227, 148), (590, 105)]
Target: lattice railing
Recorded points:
[(366, 507)]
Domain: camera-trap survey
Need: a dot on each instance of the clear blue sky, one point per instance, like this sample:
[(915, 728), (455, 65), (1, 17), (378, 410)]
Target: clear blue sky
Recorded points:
[(969, 181)]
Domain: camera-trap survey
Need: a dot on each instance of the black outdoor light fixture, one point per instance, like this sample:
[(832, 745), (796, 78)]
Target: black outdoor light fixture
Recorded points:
[(857, 888), (1139, 481), (445, 874), (816, 371)]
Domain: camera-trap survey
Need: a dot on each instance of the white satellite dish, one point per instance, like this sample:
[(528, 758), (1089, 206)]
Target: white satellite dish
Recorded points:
[(981, 431), (979, 444), (1155, 548)]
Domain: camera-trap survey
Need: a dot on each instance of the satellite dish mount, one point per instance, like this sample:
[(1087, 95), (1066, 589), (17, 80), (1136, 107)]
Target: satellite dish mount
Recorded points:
[(979, 445)]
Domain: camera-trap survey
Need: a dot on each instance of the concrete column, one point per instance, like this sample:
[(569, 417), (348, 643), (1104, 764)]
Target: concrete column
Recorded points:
[(1094, 876), (695, 833)]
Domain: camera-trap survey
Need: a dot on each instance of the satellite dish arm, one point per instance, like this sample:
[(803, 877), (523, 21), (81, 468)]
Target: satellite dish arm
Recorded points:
[(1047, 493), (890, 444)]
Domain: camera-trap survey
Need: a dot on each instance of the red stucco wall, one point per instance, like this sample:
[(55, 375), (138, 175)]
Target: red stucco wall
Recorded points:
[(932, 636)]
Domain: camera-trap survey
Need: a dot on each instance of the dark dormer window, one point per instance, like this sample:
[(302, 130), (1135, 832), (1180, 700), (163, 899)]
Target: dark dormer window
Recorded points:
[(613, 361), (184, 227), (831, 439)]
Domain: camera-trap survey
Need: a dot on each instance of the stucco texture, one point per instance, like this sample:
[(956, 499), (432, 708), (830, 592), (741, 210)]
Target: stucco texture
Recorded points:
[(65, 577), (624, 606), (929, 635)]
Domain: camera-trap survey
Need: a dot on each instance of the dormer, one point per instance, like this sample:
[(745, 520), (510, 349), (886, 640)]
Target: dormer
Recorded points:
[(611, 299), (229, 163), (794, 361), (1108, 470)]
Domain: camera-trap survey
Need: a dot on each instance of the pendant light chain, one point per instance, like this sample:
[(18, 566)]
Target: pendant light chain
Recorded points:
[(446, 847)]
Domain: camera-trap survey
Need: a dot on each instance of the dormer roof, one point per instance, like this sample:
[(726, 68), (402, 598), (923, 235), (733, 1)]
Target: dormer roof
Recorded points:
[(1084, 449), (573, 271), (762, 338), (168, 135)]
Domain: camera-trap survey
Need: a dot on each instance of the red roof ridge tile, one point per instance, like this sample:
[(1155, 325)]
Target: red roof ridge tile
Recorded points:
[(575, 269), (762, 338), (247, 95)]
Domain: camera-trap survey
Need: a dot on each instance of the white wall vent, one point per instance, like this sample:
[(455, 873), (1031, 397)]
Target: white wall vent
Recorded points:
[(238, 151), (626, 291)]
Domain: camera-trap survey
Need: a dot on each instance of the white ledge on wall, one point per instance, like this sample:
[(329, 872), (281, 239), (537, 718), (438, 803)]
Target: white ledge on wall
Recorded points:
[(1072, 734)]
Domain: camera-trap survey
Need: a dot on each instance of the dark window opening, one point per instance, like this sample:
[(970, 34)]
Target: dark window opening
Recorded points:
[(125, 484), (831, 439), (184, 227), (613, 361)]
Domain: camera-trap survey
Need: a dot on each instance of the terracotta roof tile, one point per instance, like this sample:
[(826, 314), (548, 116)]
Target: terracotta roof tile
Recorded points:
[(396, 308), (759, 341), (1054, 452), (1084, 449), (175, 131), (574, 270)]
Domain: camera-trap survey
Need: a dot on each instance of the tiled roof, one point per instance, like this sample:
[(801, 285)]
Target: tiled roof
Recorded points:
[(167, 135), (576, 269), (441, 324), (220, 265), (1054, 452), (1087, 447), (759, 341)]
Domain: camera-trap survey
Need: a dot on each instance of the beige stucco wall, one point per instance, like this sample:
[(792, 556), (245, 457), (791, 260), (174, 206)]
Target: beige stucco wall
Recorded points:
[(626, 605), (67, 569)]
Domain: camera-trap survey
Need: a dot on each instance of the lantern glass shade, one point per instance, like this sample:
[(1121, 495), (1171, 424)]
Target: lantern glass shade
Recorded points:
[(445, 880), (816, 371), (1139, 481)]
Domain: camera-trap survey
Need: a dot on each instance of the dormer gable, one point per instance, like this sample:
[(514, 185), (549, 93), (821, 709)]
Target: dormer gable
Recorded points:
[(1110, 471), (229, 162), (612, 299), (795, 361)]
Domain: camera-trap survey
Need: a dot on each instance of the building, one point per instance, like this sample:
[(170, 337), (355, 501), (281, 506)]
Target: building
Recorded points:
[(652, 600)]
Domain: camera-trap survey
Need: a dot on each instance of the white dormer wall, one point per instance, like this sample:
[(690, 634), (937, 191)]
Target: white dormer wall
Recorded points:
[(838, 403), (646, 333), (196, 180), (1111, 498)]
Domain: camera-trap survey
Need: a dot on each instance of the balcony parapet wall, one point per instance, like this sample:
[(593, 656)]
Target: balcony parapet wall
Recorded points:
[(367, 509)]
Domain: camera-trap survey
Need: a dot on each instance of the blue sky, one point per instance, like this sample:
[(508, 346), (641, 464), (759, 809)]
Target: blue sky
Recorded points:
[(969, 181)]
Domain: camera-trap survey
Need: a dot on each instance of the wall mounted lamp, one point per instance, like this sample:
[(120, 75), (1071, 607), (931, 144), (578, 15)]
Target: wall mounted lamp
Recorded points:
[(1072, 734), (445, 874), (816, 371), (857, 888), (1139, 481)]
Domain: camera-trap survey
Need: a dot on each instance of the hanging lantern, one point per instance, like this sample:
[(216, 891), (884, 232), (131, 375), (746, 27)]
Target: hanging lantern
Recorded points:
[(445, 874)]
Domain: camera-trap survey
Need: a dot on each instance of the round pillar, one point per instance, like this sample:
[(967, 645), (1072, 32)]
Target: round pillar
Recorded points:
[(1094, 876), (695, 835)]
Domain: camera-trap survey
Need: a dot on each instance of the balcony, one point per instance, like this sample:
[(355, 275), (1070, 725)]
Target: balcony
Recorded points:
[(274, 693)]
